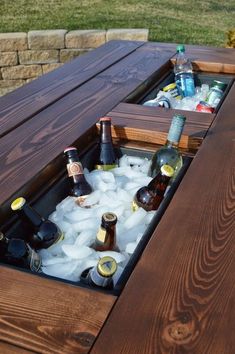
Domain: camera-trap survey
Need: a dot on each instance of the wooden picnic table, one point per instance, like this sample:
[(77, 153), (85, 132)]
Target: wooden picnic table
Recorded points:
[(180, 295)]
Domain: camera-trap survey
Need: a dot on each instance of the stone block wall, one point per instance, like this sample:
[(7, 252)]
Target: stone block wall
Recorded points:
[(25, 56)]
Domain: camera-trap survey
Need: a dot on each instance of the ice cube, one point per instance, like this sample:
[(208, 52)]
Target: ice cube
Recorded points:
[(63, 270), (66, 204), (149, 216), (78, 215), (91, 223), (123, 161), (77, 252), (92, 199), (131, 235), (130, 247), (85, 238), (135, 219), (119, 257), (121, 171)]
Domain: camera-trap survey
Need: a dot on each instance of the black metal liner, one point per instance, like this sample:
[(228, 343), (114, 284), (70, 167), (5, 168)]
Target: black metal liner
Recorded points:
[(47, 199)]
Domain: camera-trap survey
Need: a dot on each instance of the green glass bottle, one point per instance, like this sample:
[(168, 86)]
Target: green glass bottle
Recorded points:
[(106, 236), (106, 158), (17, 252), (40, 232), (169, 153), (151, 196), (100, 276)]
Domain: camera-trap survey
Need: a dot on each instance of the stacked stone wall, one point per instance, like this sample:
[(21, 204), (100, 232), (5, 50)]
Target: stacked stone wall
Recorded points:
[(26, 56)]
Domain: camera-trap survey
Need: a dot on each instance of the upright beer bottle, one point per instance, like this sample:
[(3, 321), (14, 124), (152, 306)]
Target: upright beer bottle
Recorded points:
[(150, 197), (169, 154), (101, 275), (106, 158), (106, 236), (40, 232), (16, 252), (80, 188)]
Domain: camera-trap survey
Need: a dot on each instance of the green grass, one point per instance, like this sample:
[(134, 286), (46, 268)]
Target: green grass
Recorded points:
[(192, 22)]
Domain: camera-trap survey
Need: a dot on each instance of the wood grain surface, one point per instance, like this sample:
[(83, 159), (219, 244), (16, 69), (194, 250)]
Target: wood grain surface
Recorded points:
[(47, 316), (30, 147), (21, 104), (180, 297), (130, 119), (12, 349)]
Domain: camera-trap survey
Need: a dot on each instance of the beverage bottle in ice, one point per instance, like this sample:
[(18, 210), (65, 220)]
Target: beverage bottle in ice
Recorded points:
[(215, 93), (106, 235), (169, 153), (39, 232), (106, 158), (184, 73), (151, 196), (17, 252), (101, 275), (80, 188)]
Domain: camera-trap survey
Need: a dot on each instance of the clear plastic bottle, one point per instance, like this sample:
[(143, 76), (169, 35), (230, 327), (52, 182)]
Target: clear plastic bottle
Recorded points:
[(184, 73)]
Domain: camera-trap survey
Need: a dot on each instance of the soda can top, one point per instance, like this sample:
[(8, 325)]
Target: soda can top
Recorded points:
[(18, 203), (105, 119), (69, 148), (107, 266)]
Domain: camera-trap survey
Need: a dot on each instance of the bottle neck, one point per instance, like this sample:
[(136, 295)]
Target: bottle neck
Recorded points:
[(74, 167), (172, 144), (105, 132), (159, 183), (29, 214)]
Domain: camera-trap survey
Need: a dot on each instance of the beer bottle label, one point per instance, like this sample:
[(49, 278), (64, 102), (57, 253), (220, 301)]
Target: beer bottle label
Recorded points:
[(135, 207), (74, 168), (101, 235)]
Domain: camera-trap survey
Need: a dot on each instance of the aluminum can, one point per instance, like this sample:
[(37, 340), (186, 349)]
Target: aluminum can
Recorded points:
[(215, 93), (172, 89), (163, 102), (204, 107)]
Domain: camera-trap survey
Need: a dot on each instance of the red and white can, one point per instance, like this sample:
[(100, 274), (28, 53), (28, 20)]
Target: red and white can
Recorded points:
[(204, 107)]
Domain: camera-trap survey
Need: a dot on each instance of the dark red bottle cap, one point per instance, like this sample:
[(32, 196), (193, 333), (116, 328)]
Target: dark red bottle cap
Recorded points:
[(69, 148)]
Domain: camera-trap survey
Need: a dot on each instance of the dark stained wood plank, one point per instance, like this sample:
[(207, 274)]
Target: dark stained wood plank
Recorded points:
[(47, 316), (214, 59), (12, 349), (180, 297), (126, 116), (30, 147), (23, 103)]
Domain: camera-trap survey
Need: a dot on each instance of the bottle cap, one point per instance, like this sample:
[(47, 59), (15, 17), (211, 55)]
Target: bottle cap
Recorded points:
[(180, 48), (69, 148), (18, 203), (167, 170), (107, 266), (105, 119), (109, 218)]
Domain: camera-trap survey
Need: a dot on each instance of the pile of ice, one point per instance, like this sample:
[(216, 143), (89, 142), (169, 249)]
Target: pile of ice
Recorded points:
[(186, 103), (113, 192)]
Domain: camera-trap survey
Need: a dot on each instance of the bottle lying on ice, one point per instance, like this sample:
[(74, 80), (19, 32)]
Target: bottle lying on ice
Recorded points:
[(106, 236), (17, 252), (151, 196), (169, 153), (101, 275), (40, 232), (106, 158), (80, 188)]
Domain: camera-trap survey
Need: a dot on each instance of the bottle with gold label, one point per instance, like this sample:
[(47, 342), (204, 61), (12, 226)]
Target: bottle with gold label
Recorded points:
[(101, 275), (106, 158), (80, 188), (40, 232), (169, 153), (150, 197), (106, 236), (17, 252)]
